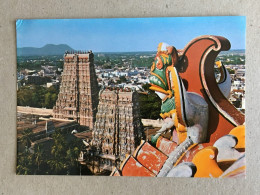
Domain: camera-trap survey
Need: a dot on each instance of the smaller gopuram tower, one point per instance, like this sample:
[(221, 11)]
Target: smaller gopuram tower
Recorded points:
[(78, 96), (118, 128)]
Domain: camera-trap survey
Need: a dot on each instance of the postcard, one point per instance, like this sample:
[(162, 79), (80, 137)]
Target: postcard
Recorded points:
[(146, 97)]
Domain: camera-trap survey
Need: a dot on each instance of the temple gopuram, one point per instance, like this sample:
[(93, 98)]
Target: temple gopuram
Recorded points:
[(78, 96), (117, 130), (207, 131)]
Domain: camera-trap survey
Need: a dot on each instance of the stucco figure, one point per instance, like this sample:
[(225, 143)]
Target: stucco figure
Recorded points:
[(185, 112), (208, 132)]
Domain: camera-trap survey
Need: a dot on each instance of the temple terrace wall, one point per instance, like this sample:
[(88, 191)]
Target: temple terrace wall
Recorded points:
[(34, 111)]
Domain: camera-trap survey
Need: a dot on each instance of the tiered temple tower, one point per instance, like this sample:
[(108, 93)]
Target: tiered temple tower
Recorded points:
[(118, 128), (78, 96)]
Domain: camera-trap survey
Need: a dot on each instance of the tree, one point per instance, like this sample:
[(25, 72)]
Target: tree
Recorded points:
[(72, 158), (48, 100), (122, 79), (57, 162), (231, 71), (26, 138), (150, 104), (37, 96), (24, 163), (24, 96), (62, 158), (38, 156)]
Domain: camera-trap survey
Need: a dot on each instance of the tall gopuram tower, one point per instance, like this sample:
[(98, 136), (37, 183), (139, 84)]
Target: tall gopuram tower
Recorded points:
[(118, 129), (78, 96)]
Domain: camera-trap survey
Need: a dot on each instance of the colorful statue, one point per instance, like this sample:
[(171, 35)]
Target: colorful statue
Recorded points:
[(186, 112), (208, 132)]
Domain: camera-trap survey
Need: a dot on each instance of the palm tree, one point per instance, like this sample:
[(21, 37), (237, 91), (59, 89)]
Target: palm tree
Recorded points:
[(38, 156), (24, 163), (57, 162), (72, 156), (56, 165), (26, 139)]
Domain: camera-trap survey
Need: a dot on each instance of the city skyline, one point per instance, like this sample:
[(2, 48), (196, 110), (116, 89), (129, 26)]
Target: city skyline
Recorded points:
[(127, 34)]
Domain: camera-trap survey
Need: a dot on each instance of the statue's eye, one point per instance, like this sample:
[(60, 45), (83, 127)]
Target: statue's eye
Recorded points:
[(159, 63)]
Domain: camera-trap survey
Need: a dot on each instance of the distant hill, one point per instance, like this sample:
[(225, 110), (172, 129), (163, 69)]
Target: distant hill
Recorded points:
[(49, 49)]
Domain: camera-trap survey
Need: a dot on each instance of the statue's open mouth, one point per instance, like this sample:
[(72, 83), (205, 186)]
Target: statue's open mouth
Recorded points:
[(159, 86)]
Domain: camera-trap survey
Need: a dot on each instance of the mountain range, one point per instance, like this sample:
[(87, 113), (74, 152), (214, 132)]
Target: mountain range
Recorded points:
[(49, 49)]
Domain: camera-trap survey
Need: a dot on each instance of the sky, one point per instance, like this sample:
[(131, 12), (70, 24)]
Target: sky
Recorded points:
[(128, 34)]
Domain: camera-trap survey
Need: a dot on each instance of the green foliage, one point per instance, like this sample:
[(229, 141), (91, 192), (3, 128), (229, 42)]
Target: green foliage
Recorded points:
[(62, 159), (150, 104), (134, 59), (26, 138), (37, 96), (122, 79), (24, 163), (231, 71), (64, 154), (38, 156), (143, 62), (232, 59), (35, 62), (59, 64)]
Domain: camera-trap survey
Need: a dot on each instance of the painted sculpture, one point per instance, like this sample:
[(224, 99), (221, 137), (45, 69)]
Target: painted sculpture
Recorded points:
[(186, 111), (208, 132)]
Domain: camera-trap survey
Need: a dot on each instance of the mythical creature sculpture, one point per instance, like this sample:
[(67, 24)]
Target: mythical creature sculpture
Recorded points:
[(207, 130), (186, 112)]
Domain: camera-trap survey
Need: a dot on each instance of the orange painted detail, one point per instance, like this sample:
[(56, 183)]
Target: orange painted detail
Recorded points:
[(239, 132), (169, 114), (67, 57), (206, 164), (167, 76), (115, 172), (176, 88), (157, 88), (166, 146), (181, 132), (191, 152), (196, 68), (153, 67), (131, 167), (150, 157), (159, 47)]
